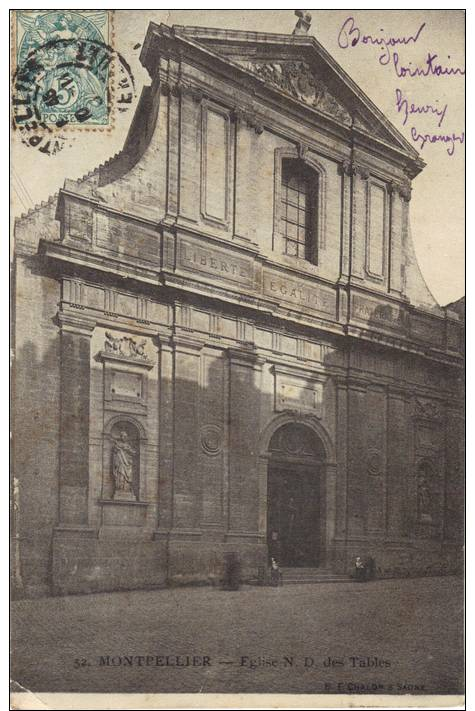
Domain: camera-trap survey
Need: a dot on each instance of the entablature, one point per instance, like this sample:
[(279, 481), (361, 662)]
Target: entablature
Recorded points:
[(178, 259)]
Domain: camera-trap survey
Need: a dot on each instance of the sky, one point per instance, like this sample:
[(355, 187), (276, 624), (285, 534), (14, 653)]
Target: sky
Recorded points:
[(437, 101)]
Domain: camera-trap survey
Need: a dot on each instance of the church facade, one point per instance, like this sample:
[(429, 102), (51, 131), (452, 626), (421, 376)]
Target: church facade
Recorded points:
[(224, 344)]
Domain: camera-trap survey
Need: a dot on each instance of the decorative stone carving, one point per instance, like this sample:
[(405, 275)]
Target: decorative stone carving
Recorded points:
[(211, 439), (188, 90), (246, 117), (405, 192), (347, 167), (424, 496), (374, 462), (403, 189), (298, 80), (362, 172), (303, 23), (295, 440), (302, 150), (428, 410), (125, 346), (123, 464)]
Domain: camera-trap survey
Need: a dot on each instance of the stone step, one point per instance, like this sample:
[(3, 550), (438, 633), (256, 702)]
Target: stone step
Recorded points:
[(316, 581), (293, 576)]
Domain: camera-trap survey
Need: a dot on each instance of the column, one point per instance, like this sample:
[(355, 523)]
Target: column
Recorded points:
[(173, 152), (375, 458), (213, 458), (359, 222), (187, 484), (398, 462), (356, 488), (397, 195), (75, 376), (454, 475), (245, 135), (166, 434), (245, 369), (347, 171), (342, 458)]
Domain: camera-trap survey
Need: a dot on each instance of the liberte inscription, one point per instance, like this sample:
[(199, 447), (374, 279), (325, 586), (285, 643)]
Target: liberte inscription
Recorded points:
[(215, 263)]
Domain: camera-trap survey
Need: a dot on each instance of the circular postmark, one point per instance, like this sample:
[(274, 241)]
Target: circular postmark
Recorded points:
[(68, 83)]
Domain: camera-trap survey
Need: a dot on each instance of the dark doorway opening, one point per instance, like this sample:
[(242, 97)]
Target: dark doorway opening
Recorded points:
[(295, 504)]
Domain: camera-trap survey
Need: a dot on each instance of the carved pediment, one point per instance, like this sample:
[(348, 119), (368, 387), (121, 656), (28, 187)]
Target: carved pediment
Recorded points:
[(299, 66), (299, 81)]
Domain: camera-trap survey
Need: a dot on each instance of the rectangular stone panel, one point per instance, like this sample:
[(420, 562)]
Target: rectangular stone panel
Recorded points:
[(94, 297), (301, 294), (125, 305), (378, 313), (123, 513), (298, 394), (215, 262), (375, 235), (125, 384), (127, 237), (79, 220), (215, 177)]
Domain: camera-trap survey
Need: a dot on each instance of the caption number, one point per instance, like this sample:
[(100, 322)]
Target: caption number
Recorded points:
[(79, 663)]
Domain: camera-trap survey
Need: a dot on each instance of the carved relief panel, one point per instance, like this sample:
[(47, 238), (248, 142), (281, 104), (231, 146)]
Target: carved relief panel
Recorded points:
[(299, 81)]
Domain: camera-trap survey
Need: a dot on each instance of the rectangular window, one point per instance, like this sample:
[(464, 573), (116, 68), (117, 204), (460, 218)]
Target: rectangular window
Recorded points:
[(298, 200)]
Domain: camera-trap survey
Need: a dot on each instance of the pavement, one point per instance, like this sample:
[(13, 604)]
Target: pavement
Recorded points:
[(386, 636)]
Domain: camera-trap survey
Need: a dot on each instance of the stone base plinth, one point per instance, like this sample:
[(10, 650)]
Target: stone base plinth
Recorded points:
[(193, 560), (84, 563), (411, 557)]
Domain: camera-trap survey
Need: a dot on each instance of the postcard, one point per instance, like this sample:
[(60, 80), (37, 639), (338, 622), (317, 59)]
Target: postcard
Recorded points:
[(238, 358)]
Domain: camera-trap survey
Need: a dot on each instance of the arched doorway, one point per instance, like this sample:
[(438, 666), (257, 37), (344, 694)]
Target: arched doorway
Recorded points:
[(295, 496)]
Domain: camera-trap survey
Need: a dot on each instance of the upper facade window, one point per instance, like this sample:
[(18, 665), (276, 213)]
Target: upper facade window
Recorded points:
[(298, 206)]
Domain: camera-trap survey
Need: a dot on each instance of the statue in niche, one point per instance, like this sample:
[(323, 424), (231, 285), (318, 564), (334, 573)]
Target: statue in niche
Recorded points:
[(123, 458), (423, 499)]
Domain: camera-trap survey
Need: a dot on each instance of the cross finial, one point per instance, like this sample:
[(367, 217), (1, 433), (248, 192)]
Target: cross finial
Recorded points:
[(303, 24)]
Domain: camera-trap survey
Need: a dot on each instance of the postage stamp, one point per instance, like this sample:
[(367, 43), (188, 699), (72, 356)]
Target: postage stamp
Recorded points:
[(66, 76), (67, 52)]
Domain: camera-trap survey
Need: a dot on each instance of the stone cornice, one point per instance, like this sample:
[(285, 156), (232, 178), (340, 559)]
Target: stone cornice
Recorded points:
[(247, 357), (143, 363), (257, 304), (72, 323)]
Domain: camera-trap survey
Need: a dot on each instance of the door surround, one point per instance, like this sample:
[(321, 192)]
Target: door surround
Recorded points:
[(327, 471)]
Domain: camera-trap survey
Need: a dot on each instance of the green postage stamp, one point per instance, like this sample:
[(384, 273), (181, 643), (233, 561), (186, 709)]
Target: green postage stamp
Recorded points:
[(63, 67)]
